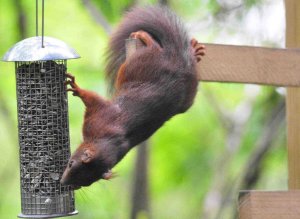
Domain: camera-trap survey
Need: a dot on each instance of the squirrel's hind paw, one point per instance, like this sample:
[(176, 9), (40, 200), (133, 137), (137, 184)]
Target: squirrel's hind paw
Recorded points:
[(198, 49)]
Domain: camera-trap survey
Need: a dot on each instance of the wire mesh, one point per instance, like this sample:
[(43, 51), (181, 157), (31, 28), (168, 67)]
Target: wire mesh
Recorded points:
[(43, 138)]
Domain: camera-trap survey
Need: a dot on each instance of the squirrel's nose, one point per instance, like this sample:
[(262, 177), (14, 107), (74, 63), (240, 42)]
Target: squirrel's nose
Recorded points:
[(64, 179)]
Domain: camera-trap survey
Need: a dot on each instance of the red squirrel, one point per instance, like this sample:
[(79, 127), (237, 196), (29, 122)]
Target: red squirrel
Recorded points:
[(155, 83)]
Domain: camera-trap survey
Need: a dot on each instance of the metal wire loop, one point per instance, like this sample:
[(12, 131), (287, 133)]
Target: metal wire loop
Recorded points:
[(37, 20)]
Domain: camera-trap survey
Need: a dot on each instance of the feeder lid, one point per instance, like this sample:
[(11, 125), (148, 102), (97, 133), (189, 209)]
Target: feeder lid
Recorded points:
[(30, 49)]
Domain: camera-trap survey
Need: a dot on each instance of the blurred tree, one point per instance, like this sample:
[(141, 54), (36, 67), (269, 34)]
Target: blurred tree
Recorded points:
[(163, 2), (140, 196), (97, 15), (21, 17), (226, 185), (231, 139)]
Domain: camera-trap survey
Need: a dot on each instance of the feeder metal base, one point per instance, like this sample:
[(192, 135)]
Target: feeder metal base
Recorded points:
[(48, 216)]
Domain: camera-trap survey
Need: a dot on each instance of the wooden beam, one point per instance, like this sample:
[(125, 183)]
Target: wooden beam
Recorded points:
[(245, 64), (293, 97), (255, 65), (269, 205)]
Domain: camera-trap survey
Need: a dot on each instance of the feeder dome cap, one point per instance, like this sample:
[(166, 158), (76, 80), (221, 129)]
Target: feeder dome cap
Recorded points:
[(31, 49)]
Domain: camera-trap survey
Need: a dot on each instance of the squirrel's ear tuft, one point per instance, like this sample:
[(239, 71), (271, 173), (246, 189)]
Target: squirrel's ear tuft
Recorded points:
[(87, 156)]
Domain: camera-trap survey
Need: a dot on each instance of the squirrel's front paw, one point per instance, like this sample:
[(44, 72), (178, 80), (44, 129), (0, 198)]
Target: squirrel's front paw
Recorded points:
[(198, 49), (74, 87)]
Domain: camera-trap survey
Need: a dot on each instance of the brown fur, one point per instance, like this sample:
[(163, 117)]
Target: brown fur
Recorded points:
[(157, 82)]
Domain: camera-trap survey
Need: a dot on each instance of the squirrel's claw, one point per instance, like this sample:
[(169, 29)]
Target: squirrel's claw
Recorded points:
[(74, 87), (70, 77), (75, 91), (198, 49)]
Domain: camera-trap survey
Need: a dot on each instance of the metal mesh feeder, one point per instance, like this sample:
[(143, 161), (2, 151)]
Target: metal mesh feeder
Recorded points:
[(43, 125)]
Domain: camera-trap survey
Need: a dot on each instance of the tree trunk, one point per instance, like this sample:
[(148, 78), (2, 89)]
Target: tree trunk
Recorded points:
[(140, 196)]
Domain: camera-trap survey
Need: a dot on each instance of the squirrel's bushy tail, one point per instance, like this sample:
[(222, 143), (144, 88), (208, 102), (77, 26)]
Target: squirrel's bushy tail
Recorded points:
[(161, 23)]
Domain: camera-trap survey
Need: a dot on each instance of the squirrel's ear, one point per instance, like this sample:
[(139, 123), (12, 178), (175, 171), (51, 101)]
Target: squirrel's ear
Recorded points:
[(87, 156)]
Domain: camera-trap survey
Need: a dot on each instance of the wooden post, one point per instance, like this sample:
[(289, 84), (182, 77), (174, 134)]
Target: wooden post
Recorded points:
[(282, 204), (293, 97), (269, 205)]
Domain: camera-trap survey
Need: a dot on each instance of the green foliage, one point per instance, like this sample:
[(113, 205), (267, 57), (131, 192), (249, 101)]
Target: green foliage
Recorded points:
[(112, 9), (250, 3), (184, 153)]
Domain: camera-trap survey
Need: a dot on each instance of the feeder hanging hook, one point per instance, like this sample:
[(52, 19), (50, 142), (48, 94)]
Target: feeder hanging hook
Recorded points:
[(37, 20)]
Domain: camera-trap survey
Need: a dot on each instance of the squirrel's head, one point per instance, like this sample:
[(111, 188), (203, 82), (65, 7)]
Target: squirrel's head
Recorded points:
[(88, 164)]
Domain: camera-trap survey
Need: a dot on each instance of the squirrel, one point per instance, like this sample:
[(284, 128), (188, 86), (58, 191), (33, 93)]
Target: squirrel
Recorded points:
[(155, 83)]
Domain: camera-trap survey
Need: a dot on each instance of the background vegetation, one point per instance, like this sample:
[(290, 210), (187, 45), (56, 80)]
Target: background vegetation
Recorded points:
[(233, 137)]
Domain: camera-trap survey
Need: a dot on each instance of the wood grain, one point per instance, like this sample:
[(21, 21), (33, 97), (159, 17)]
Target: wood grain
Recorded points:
[(256, 65), (245, 64), (293, 98), (269, 205)]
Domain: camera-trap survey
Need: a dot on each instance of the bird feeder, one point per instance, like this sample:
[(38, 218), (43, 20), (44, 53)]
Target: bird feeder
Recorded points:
[(41, 64)]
